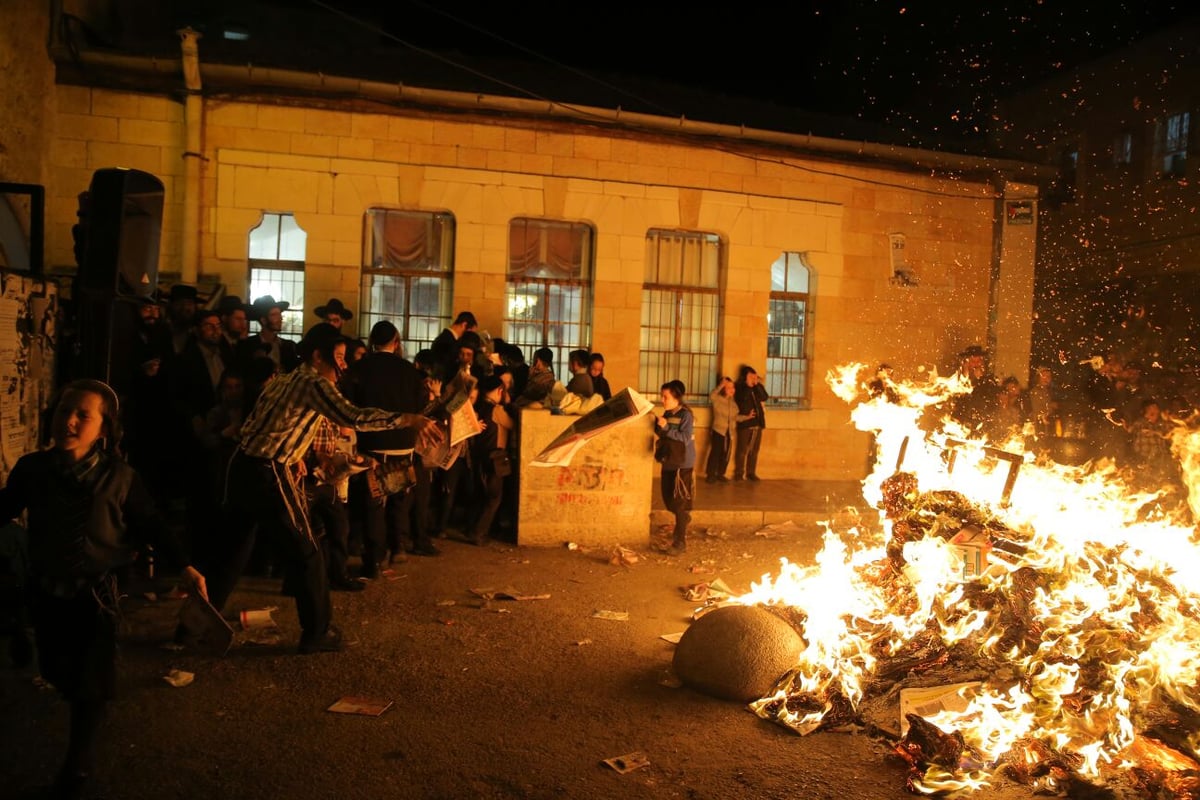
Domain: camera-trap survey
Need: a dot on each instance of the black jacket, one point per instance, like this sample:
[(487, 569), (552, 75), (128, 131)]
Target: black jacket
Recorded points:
[(385, 380), (83, 525), (750, 398)]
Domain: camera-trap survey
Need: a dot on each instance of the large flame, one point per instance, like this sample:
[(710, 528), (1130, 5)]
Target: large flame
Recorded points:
[(1083, 618)]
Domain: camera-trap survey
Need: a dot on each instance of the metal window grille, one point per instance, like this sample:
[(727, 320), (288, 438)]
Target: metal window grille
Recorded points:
[(787, 378), (548, 296), (277, 247), (407, 275), (787, 332), (681, 314)]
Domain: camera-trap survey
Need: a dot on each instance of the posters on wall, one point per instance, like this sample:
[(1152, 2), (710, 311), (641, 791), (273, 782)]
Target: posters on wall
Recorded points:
[(28, 338)]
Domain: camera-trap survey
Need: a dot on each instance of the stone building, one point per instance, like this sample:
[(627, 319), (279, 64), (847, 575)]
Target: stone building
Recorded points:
[(679, 248)]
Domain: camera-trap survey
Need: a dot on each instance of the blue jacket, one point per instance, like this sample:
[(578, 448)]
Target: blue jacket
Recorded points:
[(680, 428)]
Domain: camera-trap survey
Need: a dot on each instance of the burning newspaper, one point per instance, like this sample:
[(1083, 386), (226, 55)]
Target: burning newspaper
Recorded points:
[(625, 406)]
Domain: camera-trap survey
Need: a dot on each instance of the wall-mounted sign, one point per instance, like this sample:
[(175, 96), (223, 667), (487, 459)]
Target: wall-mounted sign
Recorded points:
[(1019, 212)]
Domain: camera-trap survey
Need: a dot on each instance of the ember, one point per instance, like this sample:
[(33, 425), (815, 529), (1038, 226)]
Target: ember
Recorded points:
[(1070, 599)]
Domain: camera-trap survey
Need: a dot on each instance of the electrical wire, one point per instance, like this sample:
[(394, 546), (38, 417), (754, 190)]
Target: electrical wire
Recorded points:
[(529, 51), (585, 113)]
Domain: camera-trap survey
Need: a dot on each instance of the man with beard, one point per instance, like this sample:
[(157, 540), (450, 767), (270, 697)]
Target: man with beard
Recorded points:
[(267, 343), (235, 319), (145, 403), (181, 311), (192, 380)]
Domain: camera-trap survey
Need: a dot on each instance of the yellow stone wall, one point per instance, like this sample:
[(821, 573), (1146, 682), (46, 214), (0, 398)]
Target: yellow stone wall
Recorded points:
[(329, 166)]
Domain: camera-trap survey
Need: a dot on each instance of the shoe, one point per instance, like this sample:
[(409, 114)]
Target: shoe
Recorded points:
[(346, 585), (710, 479), (676, 550), (737, 478), (425, 550), (369, 572), (478, 541), (396, 557), (329, 642), (753, 478), (722, 479)]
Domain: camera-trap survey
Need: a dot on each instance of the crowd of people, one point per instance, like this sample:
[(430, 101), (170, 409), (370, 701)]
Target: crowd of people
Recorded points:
[(220, 452), (1106, 409), (212, 442)]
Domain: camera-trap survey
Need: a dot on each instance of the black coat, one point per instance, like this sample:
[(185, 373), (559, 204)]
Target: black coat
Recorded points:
[(385, 380), (253, 347)]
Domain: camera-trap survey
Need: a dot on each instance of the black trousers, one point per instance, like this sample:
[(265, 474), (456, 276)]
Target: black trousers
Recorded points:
[(77, 640), (718, 455), (493, 493), (745, 462), (678, 487), (265, 494), (331, 525), (389, 521)]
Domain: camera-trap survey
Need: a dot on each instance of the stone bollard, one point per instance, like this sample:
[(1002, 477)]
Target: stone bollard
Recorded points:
[(737, 652)]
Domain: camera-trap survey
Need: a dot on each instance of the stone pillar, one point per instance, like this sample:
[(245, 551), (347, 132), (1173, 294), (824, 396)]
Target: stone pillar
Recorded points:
[(601, 499), (1011, 318)]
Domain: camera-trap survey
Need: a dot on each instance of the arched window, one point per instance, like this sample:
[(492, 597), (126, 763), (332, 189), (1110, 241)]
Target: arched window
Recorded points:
[(788, 314), (277, 249)]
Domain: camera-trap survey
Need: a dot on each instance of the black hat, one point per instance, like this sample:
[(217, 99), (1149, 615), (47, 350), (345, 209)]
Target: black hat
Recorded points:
[(181, 291), (265, 303), (319, 337), (974, 350), (204, 314), (334, 306), (230, 303), (470, 339)]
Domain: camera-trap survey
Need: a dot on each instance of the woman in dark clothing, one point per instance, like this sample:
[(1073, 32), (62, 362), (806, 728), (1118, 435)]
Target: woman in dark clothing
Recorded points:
[(88, 515), (676, 451)]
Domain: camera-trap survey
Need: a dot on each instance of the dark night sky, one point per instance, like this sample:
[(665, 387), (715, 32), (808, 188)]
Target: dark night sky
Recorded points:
[(924, 66)]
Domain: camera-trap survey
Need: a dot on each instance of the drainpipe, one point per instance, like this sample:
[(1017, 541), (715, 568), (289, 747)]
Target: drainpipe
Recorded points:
[(193, 124), (281, 83)]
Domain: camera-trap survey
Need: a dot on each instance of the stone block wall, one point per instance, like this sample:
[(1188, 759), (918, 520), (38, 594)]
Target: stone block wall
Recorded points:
[(327, 166)]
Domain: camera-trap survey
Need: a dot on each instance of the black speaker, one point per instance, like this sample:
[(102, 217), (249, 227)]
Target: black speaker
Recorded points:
[(116, 248), (121, 221)]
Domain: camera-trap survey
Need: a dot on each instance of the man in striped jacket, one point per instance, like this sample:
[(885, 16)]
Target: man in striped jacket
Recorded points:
[(264, 487)]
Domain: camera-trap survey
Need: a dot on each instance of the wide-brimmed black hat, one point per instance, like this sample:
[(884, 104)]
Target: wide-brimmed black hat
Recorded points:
[(230, 303), (181, 291), (262, 305), (334, 306)]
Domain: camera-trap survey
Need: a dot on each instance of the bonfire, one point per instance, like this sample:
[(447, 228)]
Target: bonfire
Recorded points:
[(1045, 625)]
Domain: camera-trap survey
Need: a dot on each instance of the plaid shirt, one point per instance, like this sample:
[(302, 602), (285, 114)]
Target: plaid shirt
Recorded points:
[(325, 440), (287, 415)]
